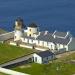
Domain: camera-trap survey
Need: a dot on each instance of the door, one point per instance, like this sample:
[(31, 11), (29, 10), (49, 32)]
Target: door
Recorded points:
[(35, 59)]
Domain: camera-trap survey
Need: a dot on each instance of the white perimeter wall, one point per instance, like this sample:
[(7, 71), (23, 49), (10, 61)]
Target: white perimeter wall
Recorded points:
[(11, 72)]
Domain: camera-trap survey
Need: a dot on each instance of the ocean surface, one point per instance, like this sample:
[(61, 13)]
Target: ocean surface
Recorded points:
[(47, 14)]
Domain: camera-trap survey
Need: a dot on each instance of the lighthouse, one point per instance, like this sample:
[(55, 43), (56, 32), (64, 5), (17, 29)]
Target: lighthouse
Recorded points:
[(32, 30), (18, 29)]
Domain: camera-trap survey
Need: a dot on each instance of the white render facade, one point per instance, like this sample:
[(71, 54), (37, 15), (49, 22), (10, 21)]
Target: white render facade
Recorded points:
[(50, 45), (58, 45), (43, 57), (37, 58), (55, 41)]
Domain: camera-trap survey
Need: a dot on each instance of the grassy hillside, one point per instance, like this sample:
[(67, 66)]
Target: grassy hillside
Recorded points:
[(62, 66), (50, 69), (3, 74), (8, 52)]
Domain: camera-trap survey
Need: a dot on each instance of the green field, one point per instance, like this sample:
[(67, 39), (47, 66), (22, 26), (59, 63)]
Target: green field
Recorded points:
[(49, 69), (8, 52), (61, 66), (57, 67), (3, 74)]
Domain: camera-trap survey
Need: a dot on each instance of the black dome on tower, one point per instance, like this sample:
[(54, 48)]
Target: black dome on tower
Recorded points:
[(19, 19), (32, 25), (20, 22)]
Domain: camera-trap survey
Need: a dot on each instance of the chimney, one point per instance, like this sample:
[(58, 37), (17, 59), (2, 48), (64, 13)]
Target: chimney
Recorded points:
[(46, 32), (68, 32), (39, 33), (70, 40)]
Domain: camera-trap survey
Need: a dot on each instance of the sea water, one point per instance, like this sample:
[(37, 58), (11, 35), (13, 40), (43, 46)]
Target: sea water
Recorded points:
[(47, 14)]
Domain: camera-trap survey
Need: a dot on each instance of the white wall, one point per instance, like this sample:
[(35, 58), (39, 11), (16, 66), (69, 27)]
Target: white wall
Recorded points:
[(17, 35), (39, 59), (41, 49), (59, 46), (37, 42), (25, 40), (45, 44), (30, 41), (11, 72), (32, 32), (66, 46), (22, 39), (25, 46), (41, 43), (12, 43), (34, 41), (51, 45)]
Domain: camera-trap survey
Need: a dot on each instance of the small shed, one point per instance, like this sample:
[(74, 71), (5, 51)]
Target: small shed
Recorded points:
[(43, 57)]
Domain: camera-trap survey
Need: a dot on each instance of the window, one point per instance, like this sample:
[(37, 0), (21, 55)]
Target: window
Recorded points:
[(49, 58), (29, 34), (51, 46), (30, 30)]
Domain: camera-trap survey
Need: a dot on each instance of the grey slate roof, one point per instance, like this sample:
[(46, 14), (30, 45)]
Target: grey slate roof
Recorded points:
[(43, 32), (61, 34), (50, 38), (62, 41), (45, 53), (29, 37)]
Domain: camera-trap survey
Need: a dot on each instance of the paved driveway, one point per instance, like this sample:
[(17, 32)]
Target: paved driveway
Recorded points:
[(17, 61)]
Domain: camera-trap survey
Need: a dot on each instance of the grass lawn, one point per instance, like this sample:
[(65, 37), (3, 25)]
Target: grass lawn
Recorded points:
[(55, 68), (3, 74), (8, 52), (49, 69)]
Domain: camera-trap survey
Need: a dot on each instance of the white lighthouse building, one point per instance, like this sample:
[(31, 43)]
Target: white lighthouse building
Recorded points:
[(18, 33), (32, 37), (32, 30)]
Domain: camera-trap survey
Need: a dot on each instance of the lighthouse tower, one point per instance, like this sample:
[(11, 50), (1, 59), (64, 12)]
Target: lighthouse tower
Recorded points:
[(18, 29), (32, 29)]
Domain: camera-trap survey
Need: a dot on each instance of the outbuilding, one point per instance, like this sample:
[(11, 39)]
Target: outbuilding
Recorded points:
[(43, 57)]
